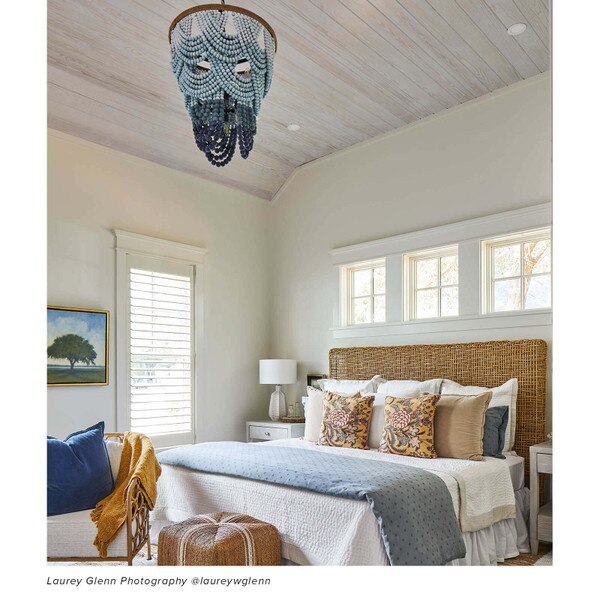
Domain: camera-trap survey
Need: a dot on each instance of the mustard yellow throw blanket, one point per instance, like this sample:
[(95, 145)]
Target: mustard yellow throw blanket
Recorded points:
[(137, 460)]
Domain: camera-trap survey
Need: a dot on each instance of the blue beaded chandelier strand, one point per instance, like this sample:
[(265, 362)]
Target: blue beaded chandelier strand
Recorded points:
[(223, 58)]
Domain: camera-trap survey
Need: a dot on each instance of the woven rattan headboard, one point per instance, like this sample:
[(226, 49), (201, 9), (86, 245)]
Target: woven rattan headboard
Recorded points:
[(486, 364)]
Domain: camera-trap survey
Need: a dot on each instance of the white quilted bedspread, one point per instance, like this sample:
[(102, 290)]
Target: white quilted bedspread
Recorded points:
[(318, 529)]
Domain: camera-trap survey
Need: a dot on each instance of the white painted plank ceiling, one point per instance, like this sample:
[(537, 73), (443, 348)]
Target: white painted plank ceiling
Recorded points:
[(345, 71)]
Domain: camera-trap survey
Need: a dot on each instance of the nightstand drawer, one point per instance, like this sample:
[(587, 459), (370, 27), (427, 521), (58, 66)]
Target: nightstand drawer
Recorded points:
[(544, 463), (256, 432)]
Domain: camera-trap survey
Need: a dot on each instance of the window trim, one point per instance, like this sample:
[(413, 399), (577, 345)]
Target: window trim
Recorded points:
[(346, 290), (487, 280), (497, 322), (410, 260), (135, 244)]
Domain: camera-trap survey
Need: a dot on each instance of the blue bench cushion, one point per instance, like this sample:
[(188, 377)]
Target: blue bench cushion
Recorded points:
[(79, 474)]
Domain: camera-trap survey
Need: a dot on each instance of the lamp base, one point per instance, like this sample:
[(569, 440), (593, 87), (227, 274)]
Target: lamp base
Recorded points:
[(277, 406)]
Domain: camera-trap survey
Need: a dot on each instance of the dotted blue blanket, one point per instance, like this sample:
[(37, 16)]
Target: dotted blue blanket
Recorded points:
[(413, 507)]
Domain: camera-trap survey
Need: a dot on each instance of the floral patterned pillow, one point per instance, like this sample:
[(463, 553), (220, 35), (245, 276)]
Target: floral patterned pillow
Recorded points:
[(346, 421), (408, 428)]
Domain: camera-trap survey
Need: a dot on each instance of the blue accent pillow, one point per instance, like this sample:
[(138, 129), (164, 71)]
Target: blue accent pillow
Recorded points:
[(496, 421), (79, 474)]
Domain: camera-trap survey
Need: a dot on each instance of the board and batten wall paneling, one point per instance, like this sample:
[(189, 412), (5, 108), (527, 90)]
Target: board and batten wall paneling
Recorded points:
[(93, 190), (485, 157)]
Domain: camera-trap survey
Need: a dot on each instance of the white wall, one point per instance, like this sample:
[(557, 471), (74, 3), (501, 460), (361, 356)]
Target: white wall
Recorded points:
[(488, 156), (93, 190), (268, 274)]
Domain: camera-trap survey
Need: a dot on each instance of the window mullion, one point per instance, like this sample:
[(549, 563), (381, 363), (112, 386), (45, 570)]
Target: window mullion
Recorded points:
[(373, 295), (522, 254), (492, 277), (350, 296), (439, 286), (413, 290)]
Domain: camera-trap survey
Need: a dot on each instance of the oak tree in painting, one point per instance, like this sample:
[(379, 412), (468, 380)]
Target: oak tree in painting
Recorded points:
[(74, 348)]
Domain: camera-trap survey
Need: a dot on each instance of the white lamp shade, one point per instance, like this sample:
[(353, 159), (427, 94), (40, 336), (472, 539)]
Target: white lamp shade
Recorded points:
[(278, 371)]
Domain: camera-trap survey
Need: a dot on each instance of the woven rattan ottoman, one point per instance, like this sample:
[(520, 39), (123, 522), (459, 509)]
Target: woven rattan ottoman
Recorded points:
[(219, 539)]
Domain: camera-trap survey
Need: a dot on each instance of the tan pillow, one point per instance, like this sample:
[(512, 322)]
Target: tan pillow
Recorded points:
[(313, 413), (458, 426), (346, 421)]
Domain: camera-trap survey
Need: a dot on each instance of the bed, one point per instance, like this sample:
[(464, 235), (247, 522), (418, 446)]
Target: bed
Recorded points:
[(320, 529)]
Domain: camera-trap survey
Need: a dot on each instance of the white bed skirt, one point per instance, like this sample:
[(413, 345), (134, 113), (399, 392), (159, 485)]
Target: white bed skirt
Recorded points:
[(502, 540)]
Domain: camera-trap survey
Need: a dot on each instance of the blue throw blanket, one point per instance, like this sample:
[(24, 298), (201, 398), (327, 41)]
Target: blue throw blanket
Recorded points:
[(413, 507)]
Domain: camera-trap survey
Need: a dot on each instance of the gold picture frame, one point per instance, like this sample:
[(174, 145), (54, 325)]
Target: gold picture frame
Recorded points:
[(77, 336)]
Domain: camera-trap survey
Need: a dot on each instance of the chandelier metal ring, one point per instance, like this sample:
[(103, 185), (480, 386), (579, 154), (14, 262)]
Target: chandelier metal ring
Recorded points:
[(225, 7)]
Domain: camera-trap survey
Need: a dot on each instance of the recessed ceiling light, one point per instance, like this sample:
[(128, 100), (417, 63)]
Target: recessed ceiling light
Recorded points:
[(516, 29), (293, 127)]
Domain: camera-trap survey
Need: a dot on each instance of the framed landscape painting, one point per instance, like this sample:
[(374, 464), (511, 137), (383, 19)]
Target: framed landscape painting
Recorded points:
[(77, 352)]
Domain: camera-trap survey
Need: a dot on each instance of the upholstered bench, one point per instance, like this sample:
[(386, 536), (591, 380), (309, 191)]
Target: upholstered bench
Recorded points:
[(219, 539), (71, 535)]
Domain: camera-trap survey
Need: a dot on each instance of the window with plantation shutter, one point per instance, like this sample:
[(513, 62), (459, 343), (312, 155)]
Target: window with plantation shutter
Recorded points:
[(161, 349), (159, 337)]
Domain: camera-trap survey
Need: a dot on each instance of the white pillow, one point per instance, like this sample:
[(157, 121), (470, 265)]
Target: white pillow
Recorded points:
[(114, 450), (503, 395), (313, 413), (377, 421), (409, 388), (351, 386)]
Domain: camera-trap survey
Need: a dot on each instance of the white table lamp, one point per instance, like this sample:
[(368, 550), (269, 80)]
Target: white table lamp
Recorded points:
[(278, 372)]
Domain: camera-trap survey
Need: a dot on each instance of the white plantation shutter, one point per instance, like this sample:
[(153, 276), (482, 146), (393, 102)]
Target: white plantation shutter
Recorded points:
[(161, 349)]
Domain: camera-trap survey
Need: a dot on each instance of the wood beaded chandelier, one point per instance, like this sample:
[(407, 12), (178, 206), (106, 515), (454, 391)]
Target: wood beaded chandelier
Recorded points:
[(222, 57)]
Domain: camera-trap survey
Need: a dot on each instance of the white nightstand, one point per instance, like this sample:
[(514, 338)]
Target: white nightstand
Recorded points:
[(540, 517), (263, 431)]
